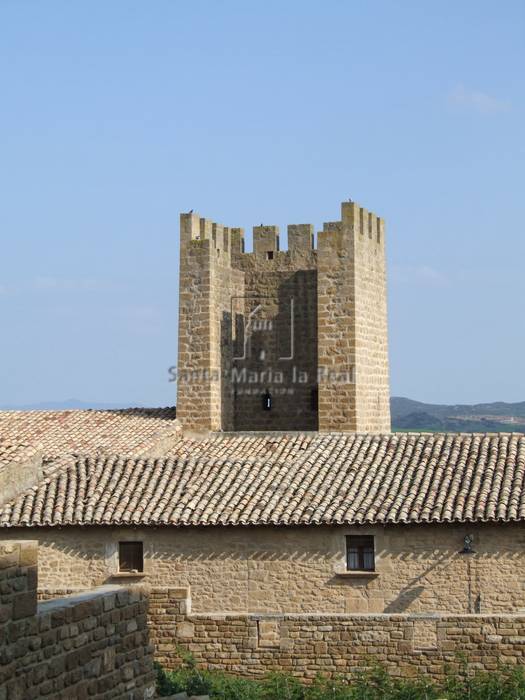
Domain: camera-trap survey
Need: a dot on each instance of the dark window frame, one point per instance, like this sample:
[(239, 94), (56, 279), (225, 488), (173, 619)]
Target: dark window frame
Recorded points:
[(360, 553), (131, 556)]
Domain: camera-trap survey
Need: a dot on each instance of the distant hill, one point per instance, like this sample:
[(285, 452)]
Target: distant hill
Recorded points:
[(410, 415), (407, 414)]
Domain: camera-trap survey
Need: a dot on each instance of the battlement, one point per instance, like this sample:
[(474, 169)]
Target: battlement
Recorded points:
[(222, 238), (362, 222), (265, 241), (356, 221)]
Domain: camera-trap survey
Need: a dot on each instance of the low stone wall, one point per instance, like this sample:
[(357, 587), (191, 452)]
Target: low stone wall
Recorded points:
[(93, 644), (305, 645)]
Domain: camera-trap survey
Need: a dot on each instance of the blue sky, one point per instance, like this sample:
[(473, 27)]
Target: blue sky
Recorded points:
[(115, 116)]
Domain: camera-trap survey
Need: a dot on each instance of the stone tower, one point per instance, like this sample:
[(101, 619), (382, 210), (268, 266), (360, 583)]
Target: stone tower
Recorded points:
[(284, 340)]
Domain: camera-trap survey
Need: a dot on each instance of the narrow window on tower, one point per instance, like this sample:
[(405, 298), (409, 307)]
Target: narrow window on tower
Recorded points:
[(267, 401)]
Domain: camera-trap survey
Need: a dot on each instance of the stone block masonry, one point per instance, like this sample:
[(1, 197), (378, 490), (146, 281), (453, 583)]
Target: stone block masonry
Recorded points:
[(419, 568), (306, 327), (91, 645), (305, 645)]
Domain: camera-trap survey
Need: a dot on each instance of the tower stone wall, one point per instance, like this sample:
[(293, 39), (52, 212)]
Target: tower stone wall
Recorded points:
[(284, 340)]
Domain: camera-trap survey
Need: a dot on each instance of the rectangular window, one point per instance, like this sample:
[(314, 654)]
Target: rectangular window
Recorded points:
[(131, 557), (360, 553)]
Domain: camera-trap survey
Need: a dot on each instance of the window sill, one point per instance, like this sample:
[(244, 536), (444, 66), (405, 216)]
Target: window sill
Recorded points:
[(128, 574), (357, 574)]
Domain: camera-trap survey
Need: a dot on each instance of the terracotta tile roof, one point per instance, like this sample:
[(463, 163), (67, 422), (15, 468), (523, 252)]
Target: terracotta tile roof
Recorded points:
[(135, 430), (288, 479)]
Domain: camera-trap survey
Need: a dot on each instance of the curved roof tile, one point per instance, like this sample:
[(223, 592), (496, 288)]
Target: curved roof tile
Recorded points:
[(286, 479)]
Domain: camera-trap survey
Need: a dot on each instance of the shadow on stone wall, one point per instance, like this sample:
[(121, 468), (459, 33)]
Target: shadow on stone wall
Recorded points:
[(89, 644)]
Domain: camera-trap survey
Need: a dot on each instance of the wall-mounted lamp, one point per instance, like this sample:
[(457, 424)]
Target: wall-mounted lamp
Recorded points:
[(468, 541)]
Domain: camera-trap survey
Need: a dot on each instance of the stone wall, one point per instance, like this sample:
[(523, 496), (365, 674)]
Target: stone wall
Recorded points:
[(336, 348), (372, 379), (195, 385), (352, 318), (305, 645), (302, 318), (419, 568), (94, 644)]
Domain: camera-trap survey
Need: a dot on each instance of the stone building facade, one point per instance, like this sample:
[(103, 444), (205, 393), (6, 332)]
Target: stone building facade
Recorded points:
[(297, 523), (418, 568), (284, 340)]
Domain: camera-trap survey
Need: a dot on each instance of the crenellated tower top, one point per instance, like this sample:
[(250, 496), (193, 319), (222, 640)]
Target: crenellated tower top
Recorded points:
[(325, 306), (355, 220)]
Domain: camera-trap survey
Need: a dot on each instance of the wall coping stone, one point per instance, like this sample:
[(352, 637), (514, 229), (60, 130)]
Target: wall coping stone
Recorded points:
[(350, 616), (72, 600)]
